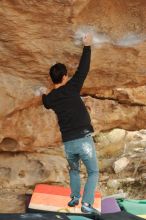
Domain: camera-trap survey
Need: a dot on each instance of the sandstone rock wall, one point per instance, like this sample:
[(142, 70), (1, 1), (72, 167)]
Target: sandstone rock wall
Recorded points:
[(34, 35)]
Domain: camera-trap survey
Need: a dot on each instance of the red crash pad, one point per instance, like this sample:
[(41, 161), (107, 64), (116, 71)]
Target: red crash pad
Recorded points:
[(55, 198)]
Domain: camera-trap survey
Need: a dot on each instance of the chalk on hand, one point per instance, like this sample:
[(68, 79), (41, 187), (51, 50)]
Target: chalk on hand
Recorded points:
[(40, 91), (98, 38)]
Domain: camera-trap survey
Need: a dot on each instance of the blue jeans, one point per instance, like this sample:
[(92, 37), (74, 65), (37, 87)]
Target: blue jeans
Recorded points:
[(82, 149)]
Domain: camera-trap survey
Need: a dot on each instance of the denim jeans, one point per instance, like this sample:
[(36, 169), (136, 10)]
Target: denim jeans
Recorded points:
[(82, 149)]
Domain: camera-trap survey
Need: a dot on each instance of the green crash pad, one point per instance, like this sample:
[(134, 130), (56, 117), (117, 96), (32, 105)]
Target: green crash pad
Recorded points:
[(136, 207), (71, 217)]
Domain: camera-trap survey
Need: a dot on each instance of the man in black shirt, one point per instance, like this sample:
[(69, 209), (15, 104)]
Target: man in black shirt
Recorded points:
[(75, 126)]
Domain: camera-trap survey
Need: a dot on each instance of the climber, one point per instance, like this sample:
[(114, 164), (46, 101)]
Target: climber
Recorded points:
[(75, 126)]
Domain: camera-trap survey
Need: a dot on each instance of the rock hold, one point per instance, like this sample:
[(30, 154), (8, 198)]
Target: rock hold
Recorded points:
[(120, 164)]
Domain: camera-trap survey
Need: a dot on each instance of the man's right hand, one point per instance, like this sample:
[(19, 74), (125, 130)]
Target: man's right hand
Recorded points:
[(87, 39)]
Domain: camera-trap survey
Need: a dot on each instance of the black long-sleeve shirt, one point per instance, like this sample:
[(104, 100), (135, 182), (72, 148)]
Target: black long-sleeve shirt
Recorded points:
[(73, 117)]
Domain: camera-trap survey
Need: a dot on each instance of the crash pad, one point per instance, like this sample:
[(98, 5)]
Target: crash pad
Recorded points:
[(123, 215), (71, 217), (34, 216), (55, 198), (60, 216), (109, 205), (136, 207)]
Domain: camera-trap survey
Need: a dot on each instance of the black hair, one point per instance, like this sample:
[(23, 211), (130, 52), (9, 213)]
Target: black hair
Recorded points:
[(57, 72)]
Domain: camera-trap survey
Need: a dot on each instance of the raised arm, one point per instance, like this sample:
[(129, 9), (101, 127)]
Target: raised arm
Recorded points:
[(76, 82)]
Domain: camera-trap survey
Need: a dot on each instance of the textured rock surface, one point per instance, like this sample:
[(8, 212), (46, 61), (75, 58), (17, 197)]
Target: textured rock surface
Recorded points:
[(34, 35)]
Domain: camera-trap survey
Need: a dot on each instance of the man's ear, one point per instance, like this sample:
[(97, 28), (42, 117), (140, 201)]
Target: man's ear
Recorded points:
[(65, 77)]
